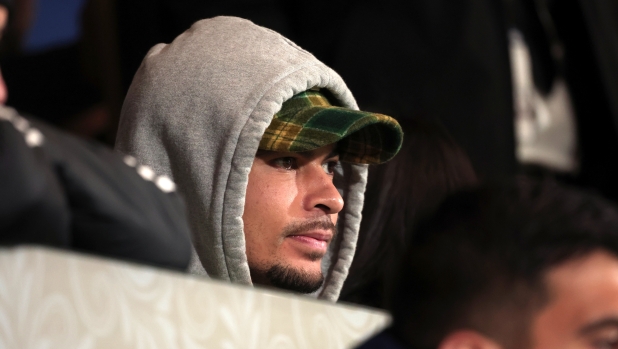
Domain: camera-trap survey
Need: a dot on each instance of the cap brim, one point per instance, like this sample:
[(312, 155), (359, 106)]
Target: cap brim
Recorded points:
[(362, 137)]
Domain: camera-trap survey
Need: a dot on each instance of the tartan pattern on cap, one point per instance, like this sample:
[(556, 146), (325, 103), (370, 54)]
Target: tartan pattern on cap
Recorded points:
[(308, 121)]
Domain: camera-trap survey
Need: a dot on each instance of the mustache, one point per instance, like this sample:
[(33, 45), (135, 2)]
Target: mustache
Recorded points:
[(301, 227)]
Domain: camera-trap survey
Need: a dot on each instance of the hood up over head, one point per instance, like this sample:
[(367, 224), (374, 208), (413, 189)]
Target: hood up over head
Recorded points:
[(196, 111)]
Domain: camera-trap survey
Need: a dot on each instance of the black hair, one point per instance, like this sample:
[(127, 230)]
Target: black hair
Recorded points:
[(429, 165), (479, 262)]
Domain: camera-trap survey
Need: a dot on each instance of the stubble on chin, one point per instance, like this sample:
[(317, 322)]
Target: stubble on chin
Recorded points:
[(294, 279)]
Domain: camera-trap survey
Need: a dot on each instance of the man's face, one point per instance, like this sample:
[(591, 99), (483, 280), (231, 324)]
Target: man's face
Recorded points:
[(582, 311), (290, 214)]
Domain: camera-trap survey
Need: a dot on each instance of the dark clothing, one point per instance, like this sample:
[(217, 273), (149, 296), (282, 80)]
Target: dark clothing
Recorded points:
[(61, 191), (589, 31)]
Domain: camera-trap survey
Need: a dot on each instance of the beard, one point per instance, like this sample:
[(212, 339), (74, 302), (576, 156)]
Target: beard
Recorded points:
[(293, 279)]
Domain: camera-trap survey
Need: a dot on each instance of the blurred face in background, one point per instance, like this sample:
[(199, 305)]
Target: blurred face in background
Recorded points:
[(582, 311), (4, 18)]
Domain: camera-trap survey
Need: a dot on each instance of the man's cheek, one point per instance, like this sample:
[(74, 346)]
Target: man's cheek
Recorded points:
[(334, 217), (282, 199)]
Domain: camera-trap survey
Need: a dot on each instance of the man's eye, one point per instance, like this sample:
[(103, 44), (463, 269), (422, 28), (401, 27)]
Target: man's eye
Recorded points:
[(287, 163), (329, 167)]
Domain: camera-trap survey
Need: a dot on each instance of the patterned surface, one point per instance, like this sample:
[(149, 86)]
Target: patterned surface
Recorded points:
[(51, 299), (308, 121)]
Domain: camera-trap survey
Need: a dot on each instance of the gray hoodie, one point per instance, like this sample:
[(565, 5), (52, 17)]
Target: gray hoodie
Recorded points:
[(196, 111)]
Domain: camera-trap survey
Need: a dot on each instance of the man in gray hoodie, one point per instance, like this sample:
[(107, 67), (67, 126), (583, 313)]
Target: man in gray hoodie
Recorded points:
[(266, 144)]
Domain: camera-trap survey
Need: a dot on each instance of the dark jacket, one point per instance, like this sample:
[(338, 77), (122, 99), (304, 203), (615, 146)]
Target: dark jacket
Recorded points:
[(60, 191)]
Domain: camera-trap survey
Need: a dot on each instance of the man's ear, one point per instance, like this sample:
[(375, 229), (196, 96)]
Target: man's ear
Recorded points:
[(468, 339)]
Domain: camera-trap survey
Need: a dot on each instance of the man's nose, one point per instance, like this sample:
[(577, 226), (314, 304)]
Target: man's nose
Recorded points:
[(321, 193)]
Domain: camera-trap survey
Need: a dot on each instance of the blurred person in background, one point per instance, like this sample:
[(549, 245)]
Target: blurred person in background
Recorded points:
[(59, 191), (523, 264), (268, 147), (400, 193)]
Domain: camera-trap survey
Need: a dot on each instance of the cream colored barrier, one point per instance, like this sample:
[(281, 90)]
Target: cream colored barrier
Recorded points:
[(51, 299)]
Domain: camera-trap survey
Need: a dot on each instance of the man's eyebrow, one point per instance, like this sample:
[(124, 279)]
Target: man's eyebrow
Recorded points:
[(261, 152), (599, 324), (333, 153)]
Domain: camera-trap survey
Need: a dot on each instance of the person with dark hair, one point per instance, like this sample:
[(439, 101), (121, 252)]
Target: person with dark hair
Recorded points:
[(520, 265), (430, 165)]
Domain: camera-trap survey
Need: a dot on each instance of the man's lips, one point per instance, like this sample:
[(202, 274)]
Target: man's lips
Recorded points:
[(315, 239), (311, 237)]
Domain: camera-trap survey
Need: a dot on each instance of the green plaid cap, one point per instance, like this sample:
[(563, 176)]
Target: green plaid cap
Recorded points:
[(308, 121)]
